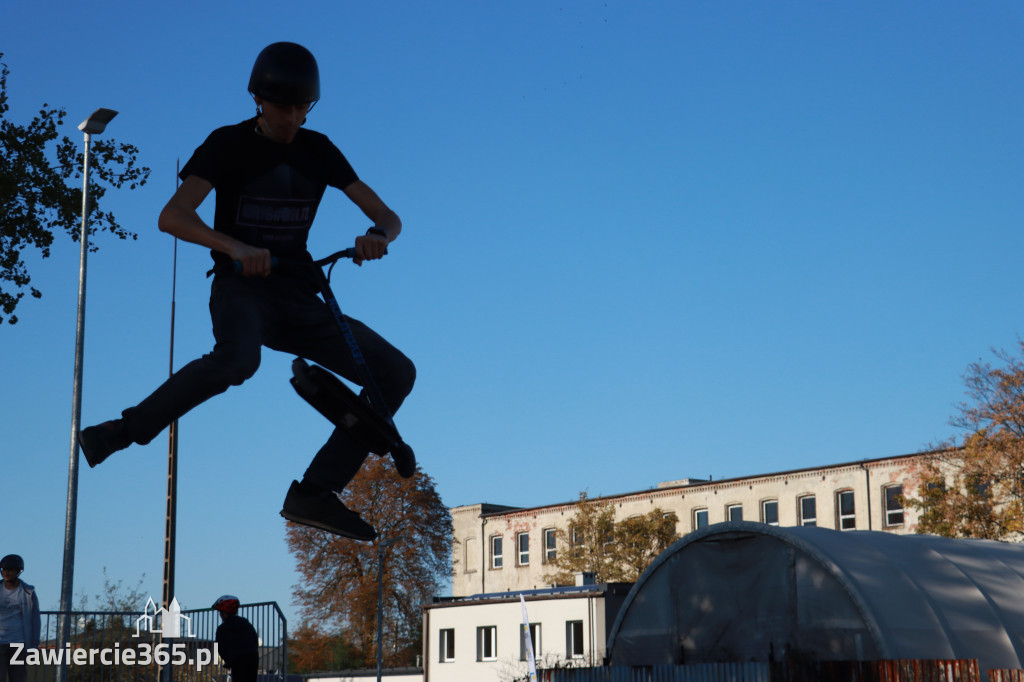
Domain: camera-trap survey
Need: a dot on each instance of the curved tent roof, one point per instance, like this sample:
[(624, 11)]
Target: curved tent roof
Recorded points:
[(749, 592)]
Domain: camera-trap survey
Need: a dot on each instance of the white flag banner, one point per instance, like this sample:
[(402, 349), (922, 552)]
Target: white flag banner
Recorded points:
[(530, 661)]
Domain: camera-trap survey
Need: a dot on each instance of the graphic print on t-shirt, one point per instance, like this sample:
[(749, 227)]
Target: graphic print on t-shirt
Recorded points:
[(276, 209)]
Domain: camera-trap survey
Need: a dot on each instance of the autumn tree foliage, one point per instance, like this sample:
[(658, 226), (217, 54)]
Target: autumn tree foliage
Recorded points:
[(36, 201), (614, 551), (640, 539), (311, 649), (583, 545), (975, 488), (337, 595)]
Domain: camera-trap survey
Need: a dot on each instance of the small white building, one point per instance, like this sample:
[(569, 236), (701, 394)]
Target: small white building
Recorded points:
[(481, 638)]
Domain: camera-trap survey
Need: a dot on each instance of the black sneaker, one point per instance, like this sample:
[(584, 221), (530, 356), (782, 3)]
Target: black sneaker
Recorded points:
[(101, 441), (404, 459), (323, 510)]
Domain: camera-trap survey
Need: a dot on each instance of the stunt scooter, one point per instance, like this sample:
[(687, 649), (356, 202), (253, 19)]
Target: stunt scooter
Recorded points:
[(366, 416)]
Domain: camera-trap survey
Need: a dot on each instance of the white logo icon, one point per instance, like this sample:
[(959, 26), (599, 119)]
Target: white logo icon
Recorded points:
[(164, 622)]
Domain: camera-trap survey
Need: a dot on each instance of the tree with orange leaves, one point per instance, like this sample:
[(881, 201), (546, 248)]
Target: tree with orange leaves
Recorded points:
[(338, 591), (312, 650), (976, 489)]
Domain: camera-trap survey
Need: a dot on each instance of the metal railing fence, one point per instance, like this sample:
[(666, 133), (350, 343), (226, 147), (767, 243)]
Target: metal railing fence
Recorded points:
[(106, 646)]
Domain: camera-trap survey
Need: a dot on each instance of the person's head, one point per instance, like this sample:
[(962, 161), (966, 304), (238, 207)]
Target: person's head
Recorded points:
[(285, 83), (11, 567), (227, 605)]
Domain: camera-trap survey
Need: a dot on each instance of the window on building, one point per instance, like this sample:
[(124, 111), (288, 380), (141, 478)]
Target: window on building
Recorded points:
[(523, 548), (978, 483), (487, 643), (447, 642), (608, 544), (550, 550), (846, 513), (700, 518), (574, 639), (808, 511), (534, 640), (770, 512), (577, 537), (496, 551), (892, 496), (734, 512)]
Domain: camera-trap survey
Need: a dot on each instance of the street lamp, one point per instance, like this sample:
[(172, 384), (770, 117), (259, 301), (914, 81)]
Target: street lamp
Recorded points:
[(94, 125), (381, 546)]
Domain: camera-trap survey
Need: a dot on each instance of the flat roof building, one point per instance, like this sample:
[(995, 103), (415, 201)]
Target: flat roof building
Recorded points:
[(482, 637), (500, 548)]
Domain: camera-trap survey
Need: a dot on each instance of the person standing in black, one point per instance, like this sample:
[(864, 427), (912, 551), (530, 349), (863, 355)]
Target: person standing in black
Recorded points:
[(270, 174), (237, 641)]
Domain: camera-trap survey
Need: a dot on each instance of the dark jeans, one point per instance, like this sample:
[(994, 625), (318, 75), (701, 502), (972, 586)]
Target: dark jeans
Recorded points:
[(8, 672), (285, 314)]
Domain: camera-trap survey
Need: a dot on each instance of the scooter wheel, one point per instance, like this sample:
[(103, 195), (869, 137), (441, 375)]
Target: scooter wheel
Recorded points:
[(405, 460)]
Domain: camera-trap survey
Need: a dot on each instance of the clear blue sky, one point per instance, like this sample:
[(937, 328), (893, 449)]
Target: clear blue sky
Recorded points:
[(643, 241)]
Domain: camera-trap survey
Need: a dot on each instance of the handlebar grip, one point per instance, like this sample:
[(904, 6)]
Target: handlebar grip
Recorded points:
[(274, 263), (350, 252)]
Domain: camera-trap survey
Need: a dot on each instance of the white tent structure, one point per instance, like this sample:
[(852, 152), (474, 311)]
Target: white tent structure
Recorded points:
[(751, 592)]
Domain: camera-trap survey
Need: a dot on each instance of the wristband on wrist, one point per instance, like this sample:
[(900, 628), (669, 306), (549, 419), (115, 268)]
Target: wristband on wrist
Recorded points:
[(377, 231)]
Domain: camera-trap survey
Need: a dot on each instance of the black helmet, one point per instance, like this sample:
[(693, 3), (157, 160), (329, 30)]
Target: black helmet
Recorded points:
[(285, 73), (13, 561)]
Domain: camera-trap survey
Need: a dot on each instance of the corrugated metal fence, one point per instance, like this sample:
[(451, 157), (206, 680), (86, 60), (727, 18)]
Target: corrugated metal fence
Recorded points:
[(1006, 676), (709, 672), (880, 671), (105, 646), (750, 672), (804, 671)]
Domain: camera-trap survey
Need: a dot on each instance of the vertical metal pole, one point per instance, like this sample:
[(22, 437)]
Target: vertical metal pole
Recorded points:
[(171, 516), (71, 520), (485, 543), (170, 521), (867, 479), (284, 642), (381, 546), (380, 609)]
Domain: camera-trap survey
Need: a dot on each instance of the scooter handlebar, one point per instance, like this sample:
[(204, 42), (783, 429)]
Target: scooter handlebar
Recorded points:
[(276, 262), (350, 252)]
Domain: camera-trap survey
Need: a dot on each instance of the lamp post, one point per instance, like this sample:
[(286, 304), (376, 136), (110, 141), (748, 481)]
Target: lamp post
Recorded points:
[(94, 125), (381, 546)]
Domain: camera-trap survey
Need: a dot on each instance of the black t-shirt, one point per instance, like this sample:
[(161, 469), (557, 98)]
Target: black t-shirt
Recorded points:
[(268, 192)]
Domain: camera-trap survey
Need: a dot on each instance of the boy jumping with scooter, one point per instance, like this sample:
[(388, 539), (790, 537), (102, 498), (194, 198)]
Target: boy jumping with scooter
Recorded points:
[(270, 174)]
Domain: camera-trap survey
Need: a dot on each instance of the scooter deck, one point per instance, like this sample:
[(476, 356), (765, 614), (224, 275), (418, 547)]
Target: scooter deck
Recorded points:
[(343, 407)]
